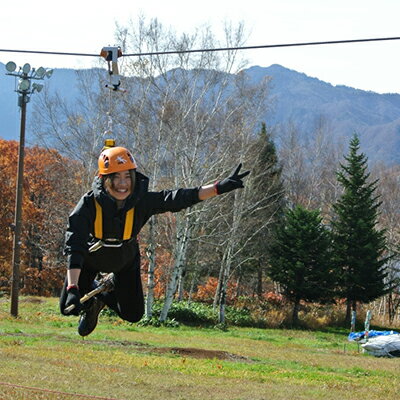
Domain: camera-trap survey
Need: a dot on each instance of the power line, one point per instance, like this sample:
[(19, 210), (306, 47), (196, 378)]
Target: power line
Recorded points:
[(266, 46), (57, 53)]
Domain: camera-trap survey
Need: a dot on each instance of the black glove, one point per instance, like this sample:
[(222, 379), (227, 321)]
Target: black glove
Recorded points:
[(73, 298), (231, 183)]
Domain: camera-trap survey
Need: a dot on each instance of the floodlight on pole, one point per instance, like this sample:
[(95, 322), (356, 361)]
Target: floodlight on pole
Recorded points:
[(40, 72), (36, 87), (11, 66), (25, 75), (24, 85), (26, 68)]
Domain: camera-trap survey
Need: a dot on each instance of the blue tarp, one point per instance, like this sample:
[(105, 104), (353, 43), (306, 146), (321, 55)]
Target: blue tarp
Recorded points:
[(356, 336)]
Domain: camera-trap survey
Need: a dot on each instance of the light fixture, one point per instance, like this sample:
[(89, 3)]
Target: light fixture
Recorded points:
[(49, 73), (26, 68), (40, 72), (11, 66), (37, 86), (24, 84)]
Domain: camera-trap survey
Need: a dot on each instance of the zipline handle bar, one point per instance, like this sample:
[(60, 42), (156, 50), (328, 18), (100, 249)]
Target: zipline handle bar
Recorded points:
[(106, 284)]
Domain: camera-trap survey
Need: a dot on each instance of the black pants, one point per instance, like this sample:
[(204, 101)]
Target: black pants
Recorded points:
[(126, 299)]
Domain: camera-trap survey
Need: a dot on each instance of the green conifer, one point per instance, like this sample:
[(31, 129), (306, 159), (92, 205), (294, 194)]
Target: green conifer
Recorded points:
[(301, 258), (359, 244)]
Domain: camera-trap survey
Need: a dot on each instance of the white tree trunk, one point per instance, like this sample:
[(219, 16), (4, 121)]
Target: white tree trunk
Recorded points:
[(181, 283), (183, 235), (231, 246), (224, 285), (151, 253)]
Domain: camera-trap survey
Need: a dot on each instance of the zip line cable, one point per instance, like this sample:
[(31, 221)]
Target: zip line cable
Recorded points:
[(57, 53), (266, 46)]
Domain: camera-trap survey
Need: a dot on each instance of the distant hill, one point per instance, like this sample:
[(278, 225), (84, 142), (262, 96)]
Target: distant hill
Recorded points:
[(295, 97), (304, 100)]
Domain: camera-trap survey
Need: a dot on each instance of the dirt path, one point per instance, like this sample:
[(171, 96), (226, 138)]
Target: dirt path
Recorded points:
[(146, 348)]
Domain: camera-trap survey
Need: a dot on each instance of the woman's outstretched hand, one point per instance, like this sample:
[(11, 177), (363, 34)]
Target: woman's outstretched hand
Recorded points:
[(235, 181)]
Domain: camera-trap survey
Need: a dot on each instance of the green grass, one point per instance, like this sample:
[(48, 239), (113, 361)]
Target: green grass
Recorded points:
[(41, 349)]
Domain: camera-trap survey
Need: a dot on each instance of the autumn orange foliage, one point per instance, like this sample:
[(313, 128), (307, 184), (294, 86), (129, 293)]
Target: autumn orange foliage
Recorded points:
[(49, 193), (45, 282), (206, 292)]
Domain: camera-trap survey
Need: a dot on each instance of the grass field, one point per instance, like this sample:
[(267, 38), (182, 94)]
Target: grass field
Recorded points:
[(43, 357)]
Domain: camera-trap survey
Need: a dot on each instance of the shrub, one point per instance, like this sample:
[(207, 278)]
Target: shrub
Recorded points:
[(169, 323), (189, 313), (239, 317)]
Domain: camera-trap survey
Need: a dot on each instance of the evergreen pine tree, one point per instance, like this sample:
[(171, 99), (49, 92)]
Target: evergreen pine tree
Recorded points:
[(300, 258), (359, 245)]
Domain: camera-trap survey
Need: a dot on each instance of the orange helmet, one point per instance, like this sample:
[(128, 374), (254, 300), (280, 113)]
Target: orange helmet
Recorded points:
[(115, 159)]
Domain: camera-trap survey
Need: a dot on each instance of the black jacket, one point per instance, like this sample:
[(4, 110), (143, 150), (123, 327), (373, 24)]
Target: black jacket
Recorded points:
[(80, 231)]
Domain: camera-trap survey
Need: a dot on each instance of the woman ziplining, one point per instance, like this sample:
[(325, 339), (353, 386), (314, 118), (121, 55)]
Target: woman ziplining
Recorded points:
[(102, 235)]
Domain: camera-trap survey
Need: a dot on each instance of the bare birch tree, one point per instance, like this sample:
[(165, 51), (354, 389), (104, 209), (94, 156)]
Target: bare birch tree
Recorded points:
[(309, 166)]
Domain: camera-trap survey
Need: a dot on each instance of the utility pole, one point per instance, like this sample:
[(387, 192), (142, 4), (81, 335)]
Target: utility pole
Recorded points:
[(24, 89), (18, 212)]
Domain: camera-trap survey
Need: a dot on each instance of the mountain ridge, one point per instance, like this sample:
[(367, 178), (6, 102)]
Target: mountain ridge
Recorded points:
[(375, 117), (294, 96)]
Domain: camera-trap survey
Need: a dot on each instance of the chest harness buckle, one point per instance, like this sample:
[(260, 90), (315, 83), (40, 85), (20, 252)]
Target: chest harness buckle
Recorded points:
[(111, 242)]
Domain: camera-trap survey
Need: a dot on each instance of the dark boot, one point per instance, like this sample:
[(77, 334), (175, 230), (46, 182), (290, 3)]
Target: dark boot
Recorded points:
[(89, 317)]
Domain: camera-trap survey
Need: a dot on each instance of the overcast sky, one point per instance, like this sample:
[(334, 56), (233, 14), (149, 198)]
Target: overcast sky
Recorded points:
[(85, 26)]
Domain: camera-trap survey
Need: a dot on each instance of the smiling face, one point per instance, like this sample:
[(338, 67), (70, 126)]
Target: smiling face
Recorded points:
[(120, 185)]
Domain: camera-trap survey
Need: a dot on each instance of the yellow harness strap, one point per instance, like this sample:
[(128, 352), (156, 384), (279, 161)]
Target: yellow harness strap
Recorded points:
[(98, 222), (128, 224)]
